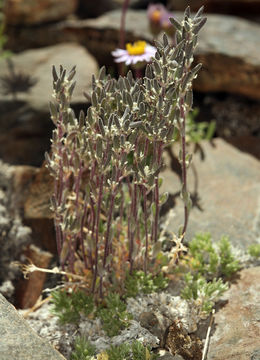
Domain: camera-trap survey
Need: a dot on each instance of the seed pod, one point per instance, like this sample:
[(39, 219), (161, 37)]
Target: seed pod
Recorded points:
[(72, 73), (136, 124), (62, 77), (121, 83), (127, 84), (117, 123), (140, 98), (54, 73), (164, 74), (94, 100), (189, 99), (116, 142), (142, 109), (156, 67), (148, 71), (90, 116), (157, 55), (126, 124), (178, 37), (199, 13), (163, 198), (175, 23), (129, 100), (110, 121), (166, 108), (165, 40), (130, 77), (53, 111), (186, 26), (197, 27), (160, 102), (170, 92), (101, 127), (132, 138), (108, 158), (71, 88), (155, 85), (188, 50), (99, 148), (94, 85), (169, 136), (102, 73)]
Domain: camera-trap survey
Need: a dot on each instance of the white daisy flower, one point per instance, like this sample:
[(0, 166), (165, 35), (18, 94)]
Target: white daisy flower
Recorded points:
[(139, 51)]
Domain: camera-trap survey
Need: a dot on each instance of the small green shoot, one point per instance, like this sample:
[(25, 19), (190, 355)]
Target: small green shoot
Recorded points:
[(254, 250), (135, 351), (204, 293), (204, 266), (228, 264), (198, 131), (113, 315), (69, 307), (83, 350), (139, 283), (209, 260)]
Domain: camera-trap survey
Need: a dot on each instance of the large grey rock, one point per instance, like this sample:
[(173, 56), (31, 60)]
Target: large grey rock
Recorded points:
[(226, 186), (18, 341), (29, 12), (227, 46), (25, 123), (38, 63), (241, 7), (237, 324)]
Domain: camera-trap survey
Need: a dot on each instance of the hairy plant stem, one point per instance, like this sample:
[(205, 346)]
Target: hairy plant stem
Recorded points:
[(183, 163), (133, 225), (122, 32), (100, 196), (145, 228)]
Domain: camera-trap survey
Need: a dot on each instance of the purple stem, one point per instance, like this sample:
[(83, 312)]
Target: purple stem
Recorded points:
[(97, 230), (183, 165), (122, 33), (156, 193), (146, 229)]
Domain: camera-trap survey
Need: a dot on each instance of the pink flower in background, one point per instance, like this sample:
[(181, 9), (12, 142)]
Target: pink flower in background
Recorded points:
[(158, 17), (155, 12), (134, 53)]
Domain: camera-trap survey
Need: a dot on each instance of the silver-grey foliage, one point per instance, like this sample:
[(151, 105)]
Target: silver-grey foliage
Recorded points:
[(106, 164)]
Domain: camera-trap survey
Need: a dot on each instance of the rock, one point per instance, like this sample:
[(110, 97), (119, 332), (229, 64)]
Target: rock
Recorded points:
[(168, 356), (227, 66), (225, 190), (30, 289), (178, 342), (19, 12), (239, 7), (234, 115), (25, 122), (237, 324), (14, 236), (32, 189), (92, 9), (18, 341), (249, 144)]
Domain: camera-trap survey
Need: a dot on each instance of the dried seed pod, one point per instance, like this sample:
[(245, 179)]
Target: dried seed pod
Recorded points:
[(54, 73), (176, 24), (102, 73), (101, 127), (197, 27)]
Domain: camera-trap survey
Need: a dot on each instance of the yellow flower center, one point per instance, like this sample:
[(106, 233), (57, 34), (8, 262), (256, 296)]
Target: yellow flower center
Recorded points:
[(137, 48), (156, 15)]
